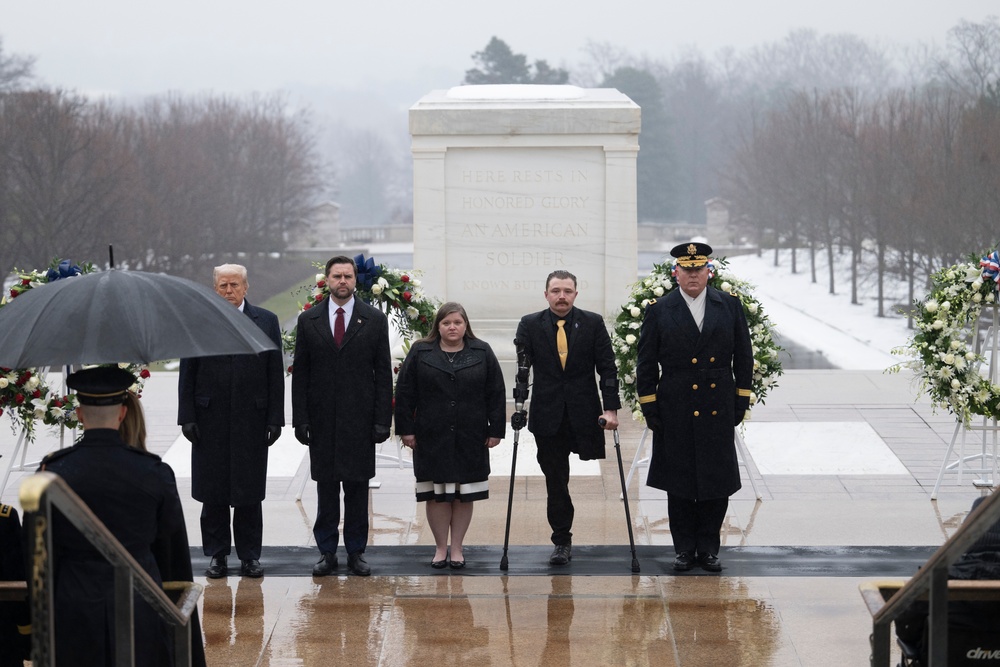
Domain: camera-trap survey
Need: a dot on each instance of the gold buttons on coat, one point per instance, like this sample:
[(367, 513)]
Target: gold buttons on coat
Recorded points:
[(711, 358), (696, 413), (713, 385), (695, 387), (715, 412), (695, 360)]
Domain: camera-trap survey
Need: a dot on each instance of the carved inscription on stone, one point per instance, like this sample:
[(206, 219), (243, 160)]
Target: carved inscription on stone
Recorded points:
[(515, 215)]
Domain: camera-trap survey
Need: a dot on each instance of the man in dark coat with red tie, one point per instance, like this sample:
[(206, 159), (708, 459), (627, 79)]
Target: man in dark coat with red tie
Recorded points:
[(341, 408), (566, 347), (232, 408), (693, 373)]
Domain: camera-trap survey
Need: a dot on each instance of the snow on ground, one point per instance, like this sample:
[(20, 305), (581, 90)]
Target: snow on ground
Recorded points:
[(850, 336)]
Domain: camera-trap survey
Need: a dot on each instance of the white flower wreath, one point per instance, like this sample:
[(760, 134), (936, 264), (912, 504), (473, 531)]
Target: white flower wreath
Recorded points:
[(942, 352), (766, 365)]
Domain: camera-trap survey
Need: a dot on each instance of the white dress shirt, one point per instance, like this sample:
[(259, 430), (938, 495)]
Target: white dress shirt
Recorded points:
[(697, 306), (348, 312)]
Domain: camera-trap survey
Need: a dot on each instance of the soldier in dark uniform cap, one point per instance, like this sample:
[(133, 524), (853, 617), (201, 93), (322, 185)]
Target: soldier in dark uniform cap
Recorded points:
[(135, 495), (695, 363)]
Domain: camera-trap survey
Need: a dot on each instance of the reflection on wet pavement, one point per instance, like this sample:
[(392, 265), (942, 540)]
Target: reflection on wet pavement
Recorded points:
[(546, 621)]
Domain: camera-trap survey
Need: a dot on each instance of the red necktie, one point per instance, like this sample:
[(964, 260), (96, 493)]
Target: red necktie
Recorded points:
[(338, 327)]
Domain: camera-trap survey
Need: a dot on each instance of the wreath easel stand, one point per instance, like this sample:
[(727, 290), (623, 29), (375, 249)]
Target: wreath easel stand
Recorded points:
[(990, 344), (743, 458), (21, 447)]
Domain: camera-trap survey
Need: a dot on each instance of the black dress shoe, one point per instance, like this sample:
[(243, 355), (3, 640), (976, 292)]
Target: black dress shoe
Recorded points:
[(326, 565), (357, 564), (561, 555), (217, 569), (710, 563), (684, 561), (251, 568)]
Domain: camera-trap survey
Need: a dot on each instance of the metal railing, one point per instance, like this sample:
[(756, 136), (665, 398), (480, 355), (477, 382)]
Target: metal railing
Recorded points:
[(931, 583), (39, 494)]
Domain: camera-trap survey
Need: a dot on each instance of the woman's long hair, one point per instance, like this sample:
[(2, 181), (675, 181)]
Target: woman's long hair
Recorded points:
[(133, 428), (444, 311)]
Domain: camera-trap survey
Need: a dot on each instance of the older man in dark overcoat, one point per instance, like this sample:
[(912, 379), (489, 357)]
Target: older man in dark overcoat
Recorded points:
[(566, 347), (232, 409), (341, 408), (695, 364)]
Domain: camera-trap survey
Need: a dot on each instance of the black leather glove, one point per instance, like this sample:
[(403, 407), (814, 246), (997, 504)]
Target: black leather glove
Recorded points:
[(302, 433), (380, 433), (652, 415), (190, 431), (742, 405), (272, 434)]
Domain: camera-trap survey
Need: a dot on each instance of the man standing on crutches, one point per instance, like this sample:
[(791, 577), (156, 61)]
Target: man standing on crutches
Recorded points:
[(568, 349)]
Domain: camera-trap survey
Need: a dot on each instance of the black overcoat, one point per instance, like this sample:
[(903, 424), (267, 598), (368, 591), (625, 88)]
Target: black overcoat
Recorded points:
[(15, 618), (452, 408), (575, 389), (135, 495), (342, 393), (695, 377), (232, 399)]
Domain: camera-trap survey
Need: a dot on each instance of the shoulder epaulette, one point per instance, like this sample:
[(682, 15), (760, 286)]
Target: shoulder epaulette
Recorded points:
[(651, 302), (5, 510), (52, 456)]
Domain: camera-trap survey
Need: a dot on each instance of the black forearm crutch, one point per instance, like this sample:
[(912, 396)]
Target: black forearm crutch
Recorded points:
[(621, 474), (517, 422)]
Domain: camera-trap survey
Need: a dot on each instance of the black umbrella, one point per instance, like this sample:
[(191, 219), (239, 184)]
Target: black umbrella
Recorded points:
[(122, 316)]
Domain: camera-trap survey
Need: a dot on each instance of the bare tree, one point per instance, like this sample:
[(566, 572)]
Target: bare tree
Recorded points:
[(65, 176), (16, 71), (973, 56)]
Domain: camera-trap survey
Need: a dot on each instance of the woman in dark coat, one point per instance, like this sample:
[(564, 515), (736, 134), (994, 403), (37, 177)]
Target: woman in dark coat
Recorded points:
[(450, 410)]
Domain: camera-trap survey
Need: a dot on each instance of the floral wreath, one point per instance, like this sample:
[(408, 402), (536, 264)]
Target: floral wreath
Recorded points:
[(662, 279), (395, 292), (24, 393), (947, 367)]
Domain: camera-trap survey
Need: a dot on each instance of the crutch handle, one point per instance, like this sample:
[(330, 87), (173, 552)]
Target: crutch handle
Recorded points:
[(603, 422)]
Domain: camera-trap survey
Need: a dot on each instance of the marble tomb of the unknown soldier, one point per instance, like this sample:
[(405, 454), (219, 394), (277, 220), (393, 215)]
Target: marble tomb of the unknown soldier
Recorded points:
[(512, 182)]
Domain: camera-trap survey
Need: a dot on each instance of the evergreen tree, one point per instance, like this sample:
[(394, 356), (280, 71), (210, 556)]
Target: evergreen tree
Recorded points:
[(498, 64)]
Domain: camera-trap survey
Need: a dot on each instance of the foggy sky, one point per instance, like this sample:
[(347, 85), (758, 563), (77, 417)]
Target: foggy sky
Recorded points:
[(129, 47)]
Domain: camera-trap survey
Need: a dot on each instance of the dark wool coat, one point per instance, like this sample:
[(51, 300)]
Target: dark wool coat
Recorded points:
[(135, 495), (15, 618), (342, 393), (695, 377), (452, 408), (232, 399), (575, 389)]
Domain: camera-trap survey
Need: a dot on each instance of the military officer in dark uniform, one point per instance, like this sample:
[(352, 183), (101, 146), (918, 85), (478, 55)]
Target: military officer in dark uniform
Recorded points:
[(693, 377), (135, 495), (15, 618)]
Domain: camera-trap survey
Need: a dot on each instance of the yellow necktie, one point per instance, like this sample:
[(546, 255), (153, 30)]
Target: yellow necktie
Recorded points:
[(561, 343)]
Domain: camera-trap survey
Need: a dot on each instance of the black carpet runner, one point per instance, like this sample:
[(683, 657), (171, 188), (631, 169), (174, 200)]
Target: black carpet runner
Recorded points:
[(603, 561)]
